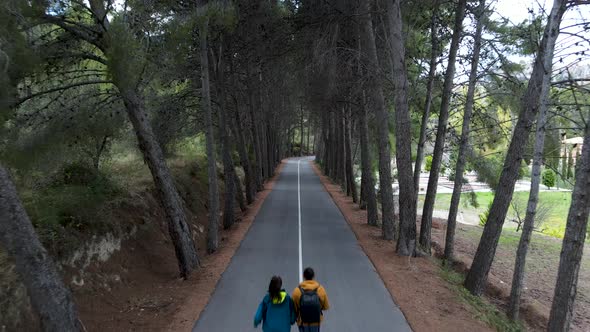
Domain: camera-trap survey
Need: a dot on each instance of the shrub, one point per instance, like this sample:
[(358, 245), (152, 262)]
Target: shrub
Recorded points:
[(428, 163), (71, 203), (549, 178)]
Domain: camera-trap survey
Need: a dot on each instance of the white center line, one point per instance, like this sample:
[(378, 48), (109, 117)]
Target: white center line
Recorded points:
[(299, 201)]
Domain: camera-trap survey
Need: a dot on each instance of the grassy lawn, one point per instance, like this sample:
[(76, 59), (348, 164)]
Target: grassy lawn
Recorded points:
[(553, 226)]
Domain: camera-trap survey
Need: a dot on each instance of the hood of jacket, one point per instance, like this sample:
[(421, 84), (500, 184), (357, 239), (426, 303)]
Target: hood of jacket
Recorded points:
[(280, 299), (309, 284)]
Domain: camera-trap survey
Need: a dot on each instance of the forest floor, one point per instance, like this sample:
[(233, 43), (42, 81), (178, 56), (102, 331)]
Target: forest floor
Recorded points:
[(423, 287), (541, 273)]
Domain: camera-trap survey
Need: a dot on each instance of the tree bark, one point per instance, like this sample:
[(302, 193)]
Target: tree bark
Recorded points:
[(213, 225), (178, 227), (406, 243), (350, 187), (301, 133), (367, 173), (308, 149), (461, 158), (241, 146), (529, 219), (428, 103), (239, 192), (382, 117), (439, 145), (573, 244), (258, 175), (484, 256), (228, 163), (52, 300), (249, 180)]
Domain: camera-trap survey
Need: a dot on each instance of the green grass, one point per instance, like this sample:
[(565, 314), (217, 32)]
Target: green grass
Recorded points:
[(554, 226), (483, 310)]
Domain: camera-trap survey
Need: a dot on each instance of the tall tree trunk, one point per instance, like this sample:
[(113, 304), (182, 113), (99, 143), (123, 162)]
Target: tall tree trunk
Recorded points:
[(249, 180), (382, 117), (178, 227), (301, 133), (258, 175), (241, 146), (461, 158), (351, 187), (529, 220), (331, 144), (439, 145), (406, 243), (269, 146), (213, 226), (339, 147), (484, 256), (239, 192), (313, 143), (307, 147), (428, 103), (180, 232), (367, 173), (573, 244), (49, 296), (228, 163)]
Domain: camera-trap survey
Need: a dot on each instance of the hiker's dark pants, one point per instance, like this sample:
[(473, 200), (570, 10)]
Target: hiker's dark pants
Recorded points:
[(309, 329)]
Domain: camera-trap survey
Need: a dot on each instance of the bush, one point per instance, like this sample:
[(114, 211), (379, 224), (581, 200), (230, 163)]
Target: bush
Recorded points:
[(71, 203), (549, 178), (428, 163)]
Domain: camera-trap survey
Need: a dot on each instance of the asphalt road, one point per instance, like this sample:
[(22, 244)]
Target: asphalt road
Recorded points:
[(359, 300)]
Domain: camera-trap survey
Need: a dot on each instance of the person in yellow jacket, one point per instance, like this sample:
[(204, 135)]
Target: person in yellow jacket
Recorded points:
[(310, 300)]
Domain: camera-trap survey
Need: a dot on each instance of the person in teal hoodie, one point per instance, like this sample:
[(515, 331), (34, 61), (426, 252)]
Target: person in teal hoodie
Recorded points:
[(276, 311)]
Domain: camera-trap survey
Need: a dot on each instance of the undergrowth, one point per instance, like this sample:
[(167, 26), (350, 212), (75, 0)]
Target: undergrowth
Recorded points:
[(484, 311)]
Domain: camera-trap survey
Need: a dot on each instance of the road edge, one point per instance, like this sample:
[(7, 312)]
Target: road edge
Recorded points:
[(414, 315), (190, 310)]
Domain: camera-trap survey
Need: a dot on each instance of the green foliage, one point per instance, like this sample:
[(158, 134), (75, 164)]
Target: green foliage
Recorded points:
[(488, 168), (81, 133), (428, 163), (548, 178), (17, 58), (483, 217), (218, 13), (70, 203), (473, 201), (126, 56)]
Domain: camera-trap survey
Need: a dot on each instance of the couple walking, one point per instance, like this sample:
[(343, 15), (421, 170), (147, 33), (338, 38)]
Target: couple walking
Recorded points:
[(278, 311)]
